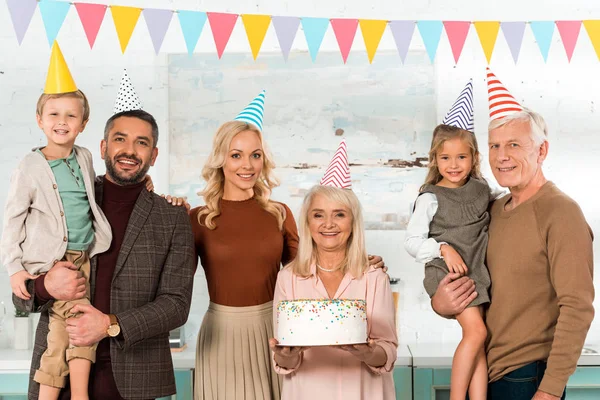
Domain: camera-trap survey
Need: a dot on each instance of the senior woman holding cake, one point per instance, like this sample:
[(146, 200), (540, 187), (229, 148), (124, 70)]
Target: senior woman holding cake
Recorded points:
[(323, 346)]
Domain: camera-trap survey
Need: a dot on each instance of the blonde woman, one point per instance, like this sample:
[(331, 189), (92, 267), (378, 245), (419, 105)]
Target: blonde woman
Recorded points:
[(332, 263), (242, 239)]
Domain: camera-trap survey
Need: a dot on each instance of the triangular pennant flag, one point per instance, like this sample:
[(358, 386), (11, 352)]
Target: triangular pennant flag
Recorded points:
[(192, 23), (569, 33), (403, 33), (461, 112), (59, 79), (513, 33), (221, 25), (431, 31), (457, 34), (372, 31), (345, 30), (158, 22), (125, 19), (256, 29), (543, 31), (91, 17), (285, 29), (21, 12), (502, 103), (593, 29), (338, 171), (254, 112), (314, 31), (53, 15), (127, 99), (488, 33)]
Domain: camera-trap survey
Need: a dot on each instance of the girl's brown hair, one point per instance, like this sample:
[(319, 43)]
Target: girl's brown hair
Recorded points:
[(441, 134)]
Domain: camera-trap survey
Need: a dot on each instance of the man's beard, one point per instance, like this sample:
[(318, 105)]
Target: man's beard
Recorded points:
[(111, 170)]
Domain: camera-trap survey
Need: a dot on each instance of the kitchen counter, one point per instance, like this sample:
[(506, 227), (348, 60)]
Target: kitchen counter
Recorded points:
[(18, 361), (434, 355)]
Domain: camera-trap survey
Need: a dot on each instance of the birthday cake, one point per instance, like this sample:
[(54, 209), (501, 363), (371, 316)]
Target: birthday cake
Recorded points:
[(321, 322)]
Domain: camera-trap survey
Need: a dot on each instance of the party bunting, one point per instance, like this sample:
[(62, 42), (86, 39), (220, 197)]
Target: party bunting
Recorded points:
[(569, 33), (285, 29), (402, 32), (192, 23), (593, 29), (488, 33), (21, 12), (221, 25), (53, 16), (345, 30), (431, 31), (372, 31), (91, 17), (314, 31), (256, 29), (457, 32), (158, 22), (543, 31), (125, 19), (513, 33)]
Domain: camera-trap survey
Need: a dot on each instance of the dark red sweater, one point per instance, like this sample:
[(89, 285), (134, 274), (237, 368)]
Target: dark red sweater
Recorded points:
[(117, 204)]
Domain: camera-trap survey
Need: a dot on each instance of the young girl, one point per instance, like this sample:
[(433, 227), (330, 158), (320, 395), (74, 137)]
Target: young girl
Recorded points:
[(448, 232)]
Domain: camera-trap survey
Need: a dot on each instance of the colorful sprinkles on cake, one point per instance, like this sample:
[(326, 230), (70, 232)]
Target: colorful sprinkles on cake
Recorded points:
[(340, 308)]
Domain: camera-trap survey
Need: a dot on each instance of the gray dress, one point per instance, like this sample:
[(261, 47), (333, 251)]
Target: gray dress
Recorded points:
[(462, 221)]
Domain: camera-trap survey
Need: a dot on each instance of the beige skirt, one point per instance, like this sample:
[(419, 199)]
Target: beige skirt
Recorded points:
[(233, 359)]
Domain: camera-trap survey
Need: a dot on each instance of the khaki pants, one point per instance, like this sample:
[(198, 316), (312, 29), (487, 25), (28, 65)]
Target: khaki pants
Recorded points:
[(54, 366)]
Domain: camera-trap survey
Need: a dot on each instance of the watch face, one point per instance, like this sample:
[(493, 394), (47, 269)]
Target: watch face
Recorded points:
[(114, 330)]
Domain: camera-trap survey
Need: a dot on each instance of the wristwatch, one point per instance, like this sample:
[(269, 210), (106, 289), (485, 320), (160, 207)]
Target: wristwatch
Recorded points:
[(114, 328)]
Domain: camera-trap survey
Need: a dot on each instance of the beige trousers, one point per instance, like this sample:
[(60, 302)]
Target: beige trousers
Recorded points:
[(54, 366)]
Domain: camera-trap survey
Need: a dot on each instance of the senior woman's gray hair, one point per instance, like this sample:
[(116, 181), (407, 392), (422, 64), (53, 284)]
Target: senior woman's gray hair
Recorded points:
[(539, 129), (356, 261)]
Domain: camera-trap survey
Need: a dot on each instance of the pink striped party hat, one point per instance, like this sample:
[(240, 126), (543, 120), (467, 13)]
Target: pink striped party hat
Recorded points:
[(502, 103), (338, 172)]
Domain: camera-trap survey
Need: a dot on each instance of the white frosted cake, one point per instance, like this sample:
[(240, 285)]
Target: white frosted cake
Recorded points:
[(321, 322)]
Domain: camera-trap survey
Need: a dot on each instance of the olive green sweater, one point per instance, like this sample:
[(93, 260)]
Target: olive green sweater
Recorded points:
[(541, 264)]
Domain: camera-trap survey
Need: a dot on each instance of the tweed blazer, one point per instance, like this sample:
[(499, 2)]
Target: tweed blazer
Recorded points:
[(150, 294)]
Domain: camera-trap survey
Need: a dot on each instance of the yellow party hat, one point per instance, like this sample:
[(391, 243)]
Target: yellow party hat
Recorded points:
[(59, 79)]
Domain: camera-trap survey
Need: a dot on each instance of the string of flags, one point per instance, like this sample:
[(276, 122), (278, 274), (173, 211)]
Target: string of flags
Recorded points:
[(192, 24)]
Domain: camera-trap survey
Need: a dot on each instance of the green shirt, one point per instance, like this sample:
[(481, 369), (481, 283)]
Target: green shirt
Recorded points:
[(76, 206)]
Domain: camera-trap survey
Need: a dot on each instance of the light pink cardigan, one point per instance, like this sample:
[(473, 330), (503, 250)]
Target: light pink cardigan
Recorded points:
[(332, 373)]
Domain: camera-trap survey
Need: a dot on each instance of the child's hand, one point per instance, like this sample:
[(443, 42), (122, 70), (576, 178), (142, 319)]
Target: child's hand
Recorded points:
[(149, 184), (453, 260), (17, 283), (177, 201)]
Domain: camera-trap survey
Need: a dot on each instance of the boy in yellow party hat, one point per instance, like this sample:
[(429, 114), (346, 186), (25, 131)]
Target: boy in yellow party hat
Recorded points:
[(51, 219)]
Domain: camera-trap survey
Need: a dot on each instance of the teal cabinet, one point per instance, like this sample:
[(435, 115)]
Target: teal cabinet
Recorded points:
[(403, 383), (434, 384), (13, 386)]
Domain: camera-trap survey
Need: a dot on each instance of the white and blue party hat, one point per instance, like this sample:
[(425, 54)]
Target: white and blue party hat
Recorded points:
[(254, 112), (461, 112)]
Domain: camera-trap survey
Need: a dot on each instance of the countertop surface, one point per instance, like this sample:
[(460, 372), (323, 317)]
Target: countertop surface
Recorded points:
[(440, 355), (18, 361)]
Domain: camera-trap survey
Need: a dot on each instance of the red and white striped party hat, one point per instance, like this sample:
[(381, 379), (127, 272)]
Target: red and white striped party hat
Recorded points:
[(338, 172), (502, 103)]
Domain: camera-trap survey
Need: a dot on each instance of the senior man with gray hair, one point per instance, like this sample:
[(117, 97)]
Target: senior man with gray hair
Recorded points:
[(540, 261)]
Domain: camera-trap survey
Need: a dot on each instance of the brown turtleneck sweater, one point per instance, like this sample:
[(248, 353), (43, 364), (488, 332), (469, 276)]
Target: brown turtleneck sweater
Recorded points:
[(243, 254)]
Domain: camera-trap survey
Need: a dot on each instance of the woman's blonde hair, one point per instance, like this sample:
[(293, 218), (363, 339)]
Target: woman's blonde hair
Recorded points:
[(441, 134), (212, 172), (356, 261)]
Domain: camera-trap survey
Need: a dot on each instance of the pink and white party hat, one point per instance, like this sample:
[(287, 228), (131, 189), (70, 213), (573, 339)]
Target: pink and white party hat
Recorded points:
[(338, 171)]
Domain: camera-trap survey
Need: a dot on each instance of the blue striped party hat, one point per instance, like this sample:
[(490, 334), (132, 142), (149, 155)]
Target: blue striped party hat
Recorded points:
[(461, 112), (254, 112)]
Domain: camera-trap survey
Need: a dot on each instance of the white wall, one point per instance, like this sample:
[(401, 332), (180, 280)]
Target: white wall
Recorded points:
[(566, 94)]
